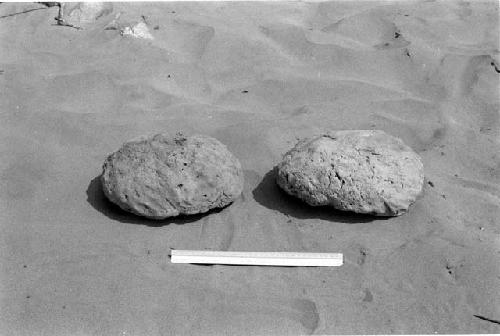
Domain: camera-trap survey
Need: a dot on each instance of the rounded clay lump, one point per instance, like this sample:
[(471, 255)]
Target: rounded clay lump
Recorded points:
[(362, 171), (162, 176)]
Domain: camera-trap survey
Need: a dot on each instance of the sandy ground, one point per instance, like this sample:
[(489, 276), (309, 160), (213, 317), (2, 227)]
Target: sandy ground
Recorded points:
[(256, 76)]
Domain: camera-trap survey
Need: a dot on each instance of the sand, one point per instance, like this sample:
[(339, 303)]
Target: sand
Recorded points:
[(256, 76)]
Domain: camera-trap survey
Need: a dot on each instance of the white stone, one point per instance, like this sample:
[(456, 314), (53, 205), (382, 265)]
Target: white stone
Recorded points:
[(139, 30)]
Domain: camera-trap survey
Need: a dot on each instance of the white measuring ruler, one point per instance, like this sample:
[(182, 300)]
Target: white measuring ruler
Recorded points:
[(256, 258)]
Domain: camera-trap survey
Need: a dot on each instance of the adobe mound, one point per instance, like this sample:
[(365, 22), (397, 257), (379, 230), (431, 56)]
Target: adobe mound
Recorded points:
[(367, 172), (161, 176)]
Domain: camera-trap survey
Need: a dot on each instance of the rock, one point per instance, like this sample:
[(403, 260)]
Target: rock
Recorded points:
[(162, 176), (85, 14), (367, 172), (139, 30), (130, 27)]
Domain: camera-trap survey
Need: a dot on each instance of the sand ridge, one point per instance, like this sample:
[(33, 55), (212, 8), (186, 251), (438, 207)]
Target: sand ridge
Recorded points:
[(256, 76)]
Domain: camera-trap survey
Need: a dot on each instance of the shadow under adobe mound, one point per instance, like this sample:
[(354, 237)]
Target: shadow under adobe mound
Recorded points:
[(97, 199), (270, 195)]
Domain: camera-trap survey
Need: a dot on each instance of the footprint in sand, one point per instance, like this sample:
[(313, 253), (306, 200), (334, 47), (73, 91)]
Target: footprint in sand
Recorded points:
[(217, 231), (479, 80), (367, 30), (185, 39), (146, 97), (368, 296), (217, 312), (88, 92), (22, 178), (482, 188)]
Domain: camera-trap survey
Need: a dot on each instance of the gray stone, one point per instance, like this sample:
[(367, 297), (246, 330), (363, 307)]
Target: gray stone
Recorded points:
[(162, 176), (85, 14), (367, 172)]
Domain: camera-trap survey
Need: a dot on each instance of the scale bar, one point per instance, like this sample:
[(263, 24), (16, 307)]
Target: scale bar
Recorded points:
[(256, 258)]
